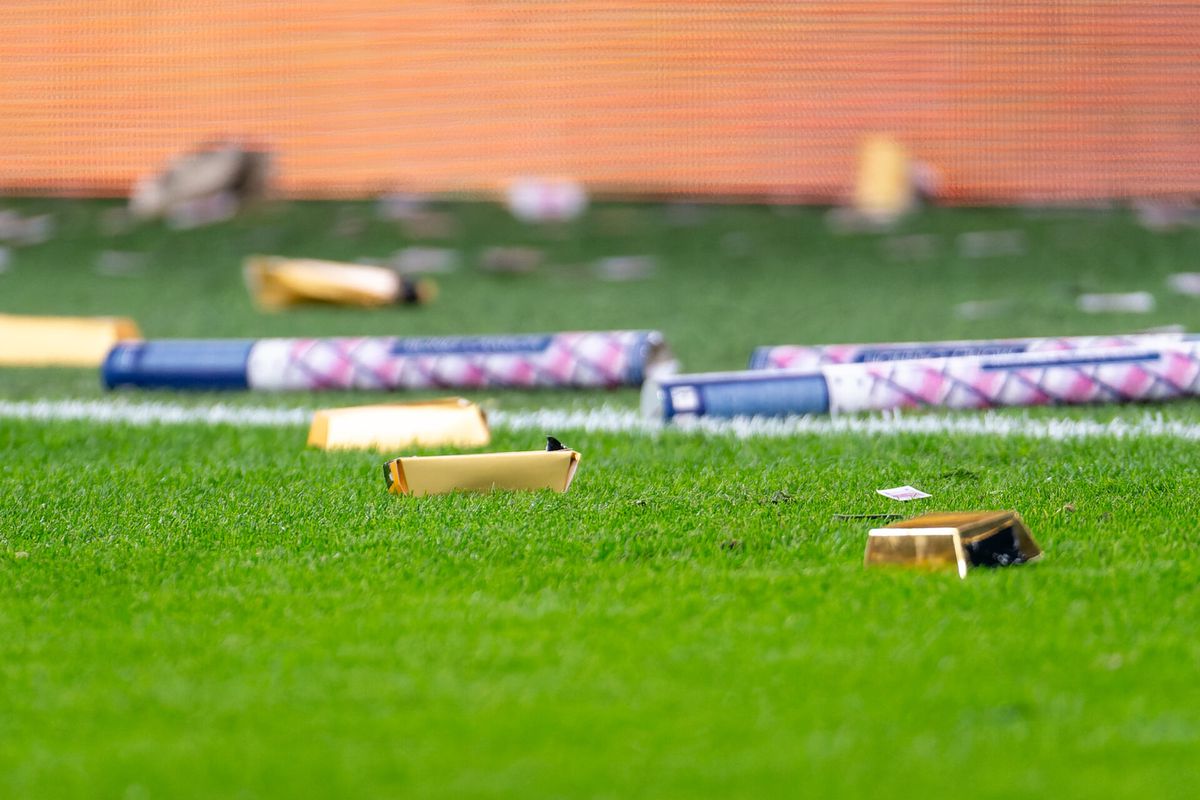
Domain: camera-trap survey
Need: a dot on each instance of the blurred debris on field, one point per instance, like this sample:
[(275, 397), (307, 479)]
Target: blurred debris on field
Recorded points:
[(209, 184), (396, 206), (1187, 283), (511, 260), (276, 283), (1166, 215), (540, 200), (24, 231), (424, 260), (984, 309), (913, 247), (120, 263), (686, 214), (5, 259), (990, 244), (1116, 303), (616, 269), (429, 224)]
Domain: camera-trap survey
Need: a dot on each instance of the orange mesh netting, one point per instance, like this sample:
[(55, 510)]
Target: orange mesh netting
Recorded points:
[(1012, 101)]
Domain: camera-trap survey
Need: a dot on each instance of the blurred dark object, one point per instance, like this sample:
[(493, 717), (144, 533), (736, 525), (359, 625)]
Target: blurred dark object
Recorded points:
[(424, 260), (989, 244), (511, 260), (210, 184), (619, 269)]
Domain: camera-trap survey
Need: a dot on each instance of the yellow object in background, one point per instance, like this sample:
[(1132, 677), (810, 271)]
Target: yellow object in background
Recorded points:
[(537, 469), (276, 283), (453, 422), (884, 189), (61, 341)]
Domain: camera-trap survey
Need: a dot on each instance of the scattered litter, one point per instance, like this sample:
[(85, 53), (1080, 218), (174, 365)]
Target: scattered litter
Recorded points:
[(541, 200), (429, 224), (400, 205), (5, 259), (451, 422), (625, 268), (958, 540), (983, 309), (1166, 215), (914, 247), (551, 469), (209, 184), (120, 263), (202, 211), (844, 221), (903, 493), (424, 260), (25, 231), (684, 214), (511, 260), (1124, 303), (731, 544), (1187, 283), (989, 244)]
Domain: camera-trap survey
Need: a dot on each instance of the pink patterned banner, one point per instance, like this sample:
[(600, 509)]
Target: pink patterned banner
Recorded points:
[(576, 360), (1119, 375)]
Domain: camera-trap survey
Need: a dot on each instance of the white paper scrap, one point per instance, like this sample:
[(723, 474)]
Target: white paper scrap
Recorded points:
[(903, 493)]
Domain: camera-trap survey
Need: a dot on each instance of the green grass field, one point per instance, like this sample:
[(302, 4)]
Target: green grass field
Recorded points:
[(190, 611)]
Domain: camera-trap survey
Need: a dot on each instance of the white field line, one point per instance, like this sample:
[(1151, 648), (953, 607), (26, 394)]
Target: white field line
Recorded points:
[(610, 419)]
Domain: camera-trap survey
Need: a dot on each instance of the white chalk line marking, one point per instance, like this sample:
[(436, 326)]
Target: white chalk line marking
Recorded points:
[(610, 419)]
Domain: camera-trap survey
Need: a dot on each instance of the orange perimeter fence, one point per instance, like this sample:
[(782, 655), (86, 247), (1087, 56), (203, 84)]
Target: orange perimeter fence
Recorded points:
[(1013, 101)]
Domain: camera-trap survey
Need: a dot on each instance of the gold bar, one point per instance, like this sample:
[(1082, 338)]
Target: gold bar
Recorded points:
[(536, 469), (961, 540), (61, 341)]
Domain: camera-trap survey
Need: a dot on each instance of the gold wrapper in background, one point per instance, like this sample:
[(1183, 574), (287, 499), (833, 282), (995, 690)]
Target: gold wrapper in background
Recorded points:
[(449, 422), (61, 341)]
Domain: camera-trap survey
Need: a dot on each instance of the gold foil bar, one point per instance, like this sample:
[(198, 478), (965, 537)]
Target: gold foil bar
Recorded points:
[(61, 341), (958, 540), (449, 422), (538, 469), (277, 283)]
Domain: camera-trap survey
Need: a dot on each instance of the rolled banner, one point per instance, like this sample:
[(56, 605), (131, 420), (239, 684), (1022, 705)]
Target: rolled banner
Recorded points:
[(605, 359), (1069, 377), (802, 356)]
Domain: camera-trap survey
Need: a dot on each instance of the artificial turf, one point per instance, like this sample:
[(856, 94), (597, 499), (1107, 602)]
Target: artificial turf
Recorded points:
[(191, 611)]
